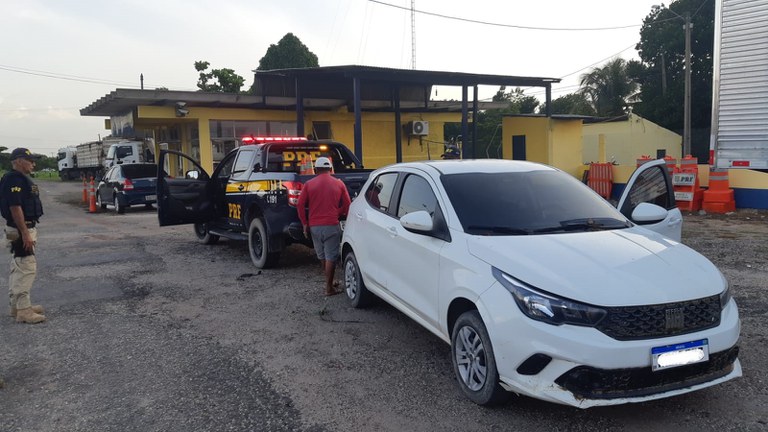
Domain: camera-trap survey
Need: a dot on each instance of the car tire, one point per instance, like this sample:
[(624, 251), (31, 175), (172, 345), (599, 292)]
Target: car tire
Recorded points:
[(473, 361), (357, 294), (99, 202), (203, 236), (258, 245), (119, 206)]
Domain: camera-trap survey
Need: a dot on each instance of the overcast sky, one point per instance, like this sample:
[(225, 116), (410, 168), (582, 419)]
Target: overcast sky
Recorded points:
[(57, 57)]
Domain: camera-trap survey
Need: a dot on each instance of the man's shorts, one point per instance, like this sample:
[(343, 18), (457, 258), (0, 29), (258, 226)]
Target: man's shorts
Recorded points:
[(327, 239)]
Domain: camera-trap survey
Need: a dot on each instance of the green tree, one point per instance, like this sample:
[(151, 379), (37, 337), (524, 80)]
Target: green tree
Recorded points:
[(572, 103), (609, 88), (289, 53), (489, 121), (218, 80), (661, 74)]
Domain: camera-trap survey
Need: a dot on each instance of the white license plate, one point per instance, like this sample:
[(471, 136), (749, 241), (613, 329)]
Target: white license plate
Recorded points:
[(670, 356), (150, 198)]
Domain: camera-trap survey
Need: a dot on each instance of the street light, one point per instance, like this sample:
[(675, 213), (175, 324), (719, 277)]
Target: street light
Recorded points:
[(687, 101)]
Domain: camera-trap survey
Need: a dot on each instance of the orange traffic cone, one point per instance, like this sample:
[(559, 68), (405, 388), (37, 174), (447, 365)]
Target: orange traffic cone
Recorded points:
[(92, 207)]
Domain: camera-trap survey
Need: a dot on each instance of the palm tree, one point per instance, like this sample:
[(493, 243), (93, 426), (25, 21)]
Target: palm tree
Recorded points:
[(609, 88)]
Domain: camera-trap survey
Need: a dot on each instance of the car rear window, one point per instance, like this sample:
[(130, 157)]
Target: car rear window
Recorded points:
[(139, 170), (289, 158), (523, 200)]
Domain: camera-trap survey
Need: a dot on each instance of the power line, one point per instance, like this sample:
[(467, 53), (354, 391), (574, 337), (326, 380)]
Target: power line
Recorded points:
[(500, 24), (66, 77)]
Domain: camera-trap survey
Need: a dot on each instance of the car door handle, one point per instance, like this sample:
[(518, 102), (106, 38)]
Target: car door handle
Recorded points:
[(359, 216), (673, 222), (392, 231)]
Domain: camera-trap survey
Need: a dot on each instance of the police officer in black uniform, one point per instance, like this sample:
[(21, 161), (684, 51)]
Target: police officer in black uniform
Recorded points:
[(21, 207)]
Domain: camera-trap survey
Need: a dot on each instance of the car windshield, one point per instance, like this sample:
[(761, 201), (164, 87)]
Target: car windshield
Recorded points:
[(134, 171), (525, 203)]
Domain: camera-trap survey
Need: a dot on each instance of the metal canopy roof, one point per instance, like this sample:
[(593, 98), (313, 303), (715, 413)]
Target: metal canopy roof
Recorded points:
[(322, 88), (359, 88), (405, 76)]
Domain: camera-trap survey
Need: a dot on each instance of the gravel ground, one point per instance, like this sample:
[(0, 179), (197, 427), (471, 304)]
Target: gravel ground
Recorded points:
[(150, 331)]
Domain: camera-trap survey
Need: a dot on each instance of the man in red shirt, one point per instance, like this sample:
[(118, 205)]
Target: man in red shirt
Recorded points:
[(327, 199)]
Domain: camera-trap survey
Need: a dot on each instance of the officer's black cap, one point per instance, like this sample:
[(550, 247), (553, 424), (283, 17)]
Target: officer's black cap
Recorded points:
[(21, 152)]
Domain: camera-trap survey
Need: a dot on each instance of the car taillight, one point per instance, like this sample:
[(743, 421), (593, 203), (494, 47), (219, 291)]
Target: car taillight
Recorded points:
[(127, 184), (294, 190)]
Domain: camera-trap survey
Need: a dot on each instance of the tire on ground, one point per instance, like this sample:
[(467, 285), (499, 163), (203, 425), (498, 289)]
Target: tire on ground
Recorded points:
[(258, 245)]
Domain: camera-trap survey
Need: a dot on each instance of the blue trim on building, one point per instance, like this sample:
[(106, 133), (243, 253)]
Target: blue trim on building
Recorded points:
[(751, 198)]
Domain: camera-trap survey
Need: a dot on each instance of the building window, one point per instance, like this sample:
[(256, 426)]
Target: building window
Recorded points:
[(226, 134)]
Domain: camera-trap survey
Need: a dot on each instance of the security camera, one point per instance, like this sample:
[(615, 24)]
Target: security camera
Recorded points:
[(181, 109)]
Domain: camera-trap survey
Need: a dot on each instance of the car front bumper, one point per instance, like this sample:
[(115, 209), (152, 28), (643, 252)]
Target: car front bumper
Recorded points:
[(582, 367)]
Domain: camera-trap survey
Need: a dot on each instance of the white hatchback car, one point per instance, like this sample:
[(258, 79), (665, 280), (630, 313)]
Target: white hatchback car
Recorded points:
[(540, 286)]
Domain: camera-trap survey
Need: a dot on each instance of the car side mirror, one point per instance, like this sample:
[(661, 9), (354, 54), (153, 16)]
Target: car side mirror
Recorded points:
[(192, 174), (419, 222), (647, 213)]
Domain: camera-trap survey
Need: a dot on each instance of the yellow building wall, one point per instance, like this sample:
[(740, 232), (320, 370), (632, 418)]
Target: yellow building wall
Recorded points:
[(626, 141), (378, 132), (555, 142), (566, 146)]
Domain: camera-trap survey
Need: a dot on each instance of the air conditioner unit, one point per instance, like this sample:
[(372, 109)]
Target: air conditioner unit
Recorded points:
[(418, 128)]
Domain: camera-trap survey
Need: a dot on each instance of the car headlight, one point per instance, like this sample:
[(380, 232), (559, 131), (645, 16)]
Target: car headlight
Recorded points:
[(725, 296), (548, 308)]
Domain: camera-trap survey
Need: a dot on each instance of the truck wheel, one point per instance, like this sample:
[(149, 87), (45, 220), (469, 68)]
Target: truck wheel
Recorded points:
[(205, 237), (119, 206), (258, 245)]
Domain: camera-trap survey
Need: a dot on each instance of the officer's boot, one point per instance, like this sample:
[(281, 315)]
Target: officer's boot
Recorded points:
[(38, 309), (28, 316)]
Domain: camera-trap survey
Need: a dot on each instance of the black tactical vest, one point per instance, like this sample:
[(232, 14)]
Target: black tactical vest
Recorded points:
[(31, 204)]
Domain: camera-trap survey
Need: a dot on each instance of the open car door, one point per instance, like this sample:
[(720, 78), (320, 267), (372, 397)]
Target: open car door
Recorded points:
[(183, 200), (649, 200)]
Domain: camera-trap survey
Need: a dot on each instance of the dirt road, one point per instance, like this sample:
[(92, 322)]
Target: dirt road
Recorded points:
[(150, 331)]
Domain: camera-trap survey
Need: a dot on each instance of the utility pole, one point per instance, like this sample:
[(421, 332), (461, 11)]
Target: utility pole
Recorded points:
[(687, 107), (687, 98)]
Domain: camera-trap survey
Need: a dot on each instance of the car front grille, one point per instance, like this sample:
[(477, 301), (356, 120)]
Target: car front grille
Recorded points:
[(663, 320), (591, 383)]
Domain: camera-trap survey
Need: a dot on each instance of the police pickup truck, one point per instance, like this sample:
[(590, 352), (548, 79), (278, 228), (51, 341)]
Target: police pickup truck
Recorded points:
[(252, 193)]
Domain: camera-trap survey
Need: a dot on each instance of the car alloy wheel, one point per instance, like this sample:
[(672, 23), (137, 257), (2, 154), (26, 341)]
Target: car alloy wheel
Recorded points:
[(357, 294), (473, 361), (99, 202), (119, 207)]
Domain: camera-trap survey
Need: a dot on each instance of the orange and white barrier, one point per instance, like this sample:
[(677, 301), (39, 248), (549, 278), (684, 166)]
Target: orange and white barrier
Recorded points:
[(719, 198), (92, 206), (85, 191), (685, 180), (600, 178)]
